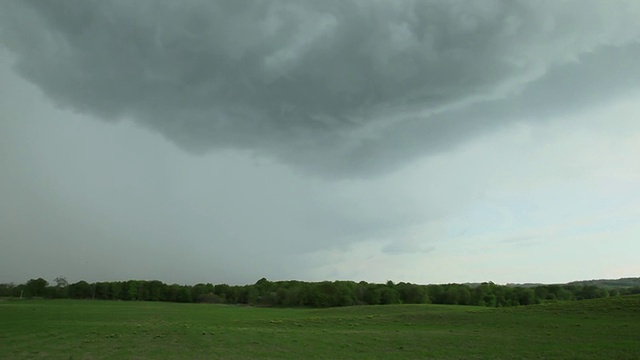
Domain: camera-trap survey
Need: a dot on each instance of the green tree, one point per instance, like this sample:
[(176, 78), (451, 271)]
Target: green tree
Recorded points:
[(156, 290), (61, 281), (101, 290), (412, 293), (7, 290), (389, 295), (36, 287), (132, 290), (81, 290), (526, 296), (60, 290)]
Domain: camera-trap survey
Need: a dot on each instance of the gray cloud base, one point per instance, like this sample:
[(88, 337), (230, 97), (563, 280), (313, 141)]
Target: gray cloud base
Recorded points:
[(333, 87)]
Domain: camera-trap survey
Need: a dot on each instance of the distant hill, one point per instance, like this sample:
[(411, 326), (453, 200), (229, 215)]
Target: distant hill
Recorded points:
[(610, 283), (526, 285)]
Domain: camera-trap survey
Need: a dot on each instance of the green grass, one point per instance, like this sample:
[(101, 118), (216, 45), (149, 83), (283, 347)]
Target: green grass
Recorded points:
[(67, 329)]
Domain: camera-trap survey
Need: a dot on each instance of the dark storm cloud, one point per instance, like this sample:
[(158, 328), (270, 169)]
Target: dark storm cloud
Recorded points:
[(343, 87), (597, 78)]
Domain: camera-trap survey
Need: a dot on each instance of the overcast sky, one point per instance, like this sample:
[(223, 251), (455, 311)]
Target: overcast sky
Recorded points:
[(225, 141)]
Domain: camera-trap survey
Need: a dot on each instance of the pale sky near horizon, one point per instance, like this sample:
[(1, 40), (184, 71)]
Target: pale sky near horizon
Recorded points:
[(223, 142)]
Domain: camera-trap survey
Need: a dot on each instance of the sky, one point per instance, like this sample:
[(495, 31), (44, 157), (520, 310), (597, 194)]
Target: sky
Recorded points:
[(418, 141)]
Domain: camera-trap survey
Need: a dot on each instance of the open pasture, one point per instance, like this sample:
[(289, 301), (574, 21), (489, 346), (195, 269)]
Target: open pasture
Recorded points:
[(73, 329)]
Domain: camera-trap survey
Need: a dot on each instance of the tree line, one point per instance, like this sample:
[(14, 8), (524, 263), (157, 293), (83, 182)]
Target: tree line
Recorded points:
[(311, 294)]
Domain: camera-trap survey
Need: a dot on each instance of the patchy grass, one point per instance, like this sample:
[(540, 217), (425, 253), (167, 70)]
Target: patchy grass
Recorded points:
[(68, 329)]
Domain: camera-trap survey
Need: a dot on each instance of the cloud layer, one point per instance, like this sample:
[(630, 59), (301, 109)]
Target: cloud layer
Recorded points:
[(99, 201), (333, 87)]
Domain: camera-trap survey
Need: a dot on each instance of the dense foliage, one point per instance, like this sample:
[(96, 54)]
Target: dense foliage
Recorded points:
[(312, 294)]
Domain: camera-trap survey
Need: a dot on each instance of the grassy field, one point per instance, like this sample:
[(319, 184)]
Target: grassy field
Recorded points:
[(66, 329)]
